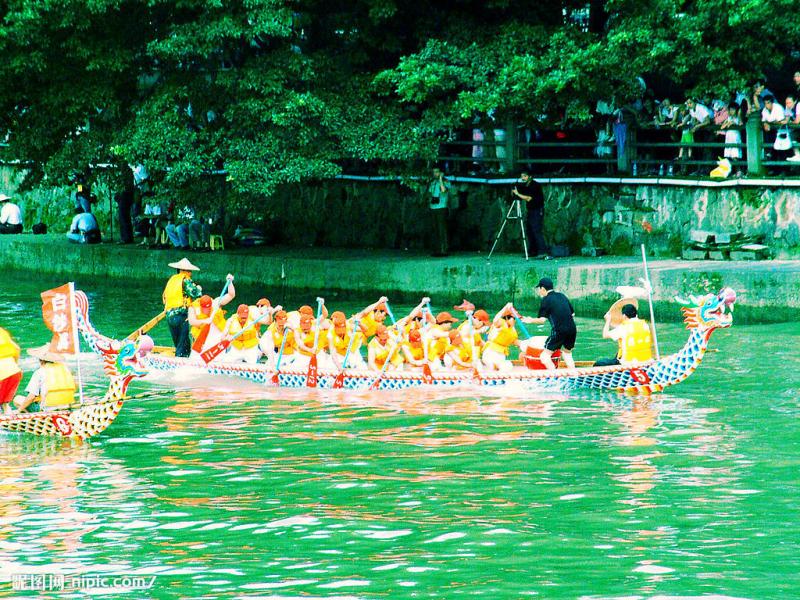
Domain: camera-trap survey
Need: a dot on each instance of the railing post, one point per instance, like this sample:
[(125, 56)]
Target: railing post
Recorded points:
[(755, 144)]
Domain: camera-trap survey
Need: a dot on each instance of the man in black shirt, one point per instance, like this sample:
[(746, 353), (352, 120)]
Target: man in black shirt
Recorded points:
[(557, 309), (530, 190)]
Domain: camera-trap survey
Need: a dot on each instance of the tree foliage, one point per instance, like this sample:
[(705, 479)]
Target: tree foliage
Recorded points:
[(272, 92)]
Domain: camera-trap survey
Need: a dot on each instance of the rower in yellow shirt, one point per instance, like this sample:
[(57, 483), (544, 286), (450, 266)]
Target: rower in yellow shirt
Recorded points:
[(460, 354), (272, 340), (502, 335), (633, 337), (380, 349), (52, 386), (341, 336), (10, 373)]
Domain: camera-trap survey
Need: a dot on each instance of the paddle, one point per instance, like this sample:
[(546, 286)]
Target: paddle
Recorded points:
[(339, 381), (518, 321), (146, 327), (311, 376), (220, 347), (275, 379), (475, 372), (376, 384), (649, 288)]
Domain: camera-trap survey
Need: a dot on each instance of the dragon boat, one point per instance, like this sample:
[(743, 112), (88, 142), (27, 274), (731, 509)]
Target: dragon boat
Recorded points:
[(122, 363), (702, 315)]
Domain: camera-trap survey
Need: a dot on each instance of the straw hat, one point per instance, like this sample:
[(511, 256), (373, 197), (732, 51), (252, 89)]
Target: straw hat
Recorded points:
[(44, 353), (4, 198), (615, 311), (184, 265)]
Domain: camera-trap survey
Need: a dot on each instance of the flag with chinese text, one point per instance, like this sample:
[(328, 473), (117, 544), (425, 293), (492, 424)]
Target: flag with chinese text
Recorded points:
[(58, 312)]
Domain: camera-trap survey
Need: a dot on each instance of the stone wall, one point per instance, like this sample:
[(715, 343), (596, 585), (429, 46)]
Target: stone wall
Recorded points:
[(616, 219), (377, 214)]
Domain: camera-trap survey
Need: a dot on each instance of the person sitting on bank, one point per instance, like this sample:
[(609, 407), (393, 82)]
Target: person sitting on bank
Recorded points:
[(178, 294), (557, 309), (84, 229), (632, 335), (10, 216), (52, 386)]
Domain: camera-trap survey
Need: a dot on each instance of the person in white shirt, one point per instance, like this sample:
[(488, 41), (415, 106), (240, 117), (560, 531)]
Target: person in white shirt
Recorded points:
[(701, 119), (10, 216), (84, 229), (771, 116)]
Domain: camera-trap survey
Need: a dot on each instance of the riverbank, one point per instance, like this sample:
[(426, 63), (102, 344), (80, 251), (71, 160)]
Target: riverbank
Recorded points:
[(769, 291)]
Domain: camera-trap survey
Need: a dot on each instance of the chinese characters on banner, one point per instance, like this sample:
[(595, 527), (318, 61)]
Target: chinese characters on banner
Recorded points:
[(58, 314)]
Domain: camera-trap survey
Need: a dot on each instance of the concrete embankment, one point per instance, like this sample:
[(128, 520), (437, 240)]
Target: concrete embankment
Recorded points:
[(768, 291)]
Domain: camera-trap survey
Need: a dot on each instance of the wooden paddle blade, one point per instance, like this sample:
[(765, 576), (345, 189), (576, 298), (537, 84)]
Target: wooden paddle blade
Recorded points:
[(338, 383), (376, 384), (311, 376), (275, 379), (427, 376), (476, 375), (215, 351)]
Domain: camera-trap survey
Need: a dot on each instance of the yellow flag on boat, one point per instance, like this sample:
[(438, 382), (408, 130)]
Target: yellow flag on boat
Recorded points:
[(58, 312)]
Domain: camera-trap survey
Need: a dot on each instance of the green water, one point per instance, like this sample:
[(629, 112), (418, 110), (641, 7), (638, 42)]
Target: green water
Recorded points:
[(237, 491)]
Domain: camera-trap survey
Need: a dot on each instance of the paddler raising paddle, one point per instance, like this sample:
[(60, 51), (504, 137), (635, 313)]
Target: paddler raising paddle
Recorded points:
[(207, 319), (502, 335), (178, 294)]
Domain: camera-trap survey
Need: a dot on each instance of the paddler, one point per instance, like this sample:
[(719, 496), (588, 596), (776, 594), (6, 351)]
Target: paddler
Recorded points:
[(306, 337), (340, 338), (380, 349), (438, 338), (51, 386), (372, 316), (414, 349), (459, 354), (207, 319), (272, 341), (557, 309), (178, 294), (10, 373), (479, 326), (244, 347), (633, 337), (502, 335)]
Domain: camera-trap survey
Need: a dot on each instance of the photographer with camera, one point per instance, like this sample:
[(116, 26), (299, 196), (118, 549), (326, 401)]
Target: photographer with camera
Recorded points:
[(530, 190), (438, 191)]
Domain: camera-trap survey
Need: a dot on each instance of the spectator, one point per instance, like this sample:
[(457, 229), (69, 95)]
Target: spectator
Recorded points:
[(731, 129), (178, 233), (438, 191), (666, 114), (83, 199), (530, 190), (759, 97), (792, 121), (10, 216), (124, 201), (84, 229), (199, 232), (687, 134), (771, 116), (701, 119), (797, 84)]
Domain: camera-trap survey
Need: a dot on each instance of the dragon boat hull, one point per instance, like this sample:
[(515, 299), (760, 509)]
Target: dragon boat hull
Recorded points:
[(705, 315)]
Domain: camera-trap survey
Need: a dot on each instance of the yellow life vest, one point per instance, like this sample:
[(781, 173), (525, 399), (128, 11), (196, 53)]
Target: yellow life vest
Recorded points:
[(417, 351), (381, 353), (249, 339), (218, 320), (8, 348), (369, 325), (340, 344), (60, 385), (464, 353), (308, 340), (173, 292), (504, 339), (277, 340), (634, 345)]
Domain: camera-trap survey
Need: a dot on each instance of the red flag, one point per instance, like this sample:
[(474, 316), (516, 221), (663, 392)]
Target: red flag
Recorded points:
[(58, 312)]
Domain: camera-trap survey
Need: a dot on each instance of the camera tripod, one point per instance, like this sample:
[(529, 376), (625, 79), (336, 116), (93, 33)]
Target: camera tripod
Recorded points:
[(514, 214)]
